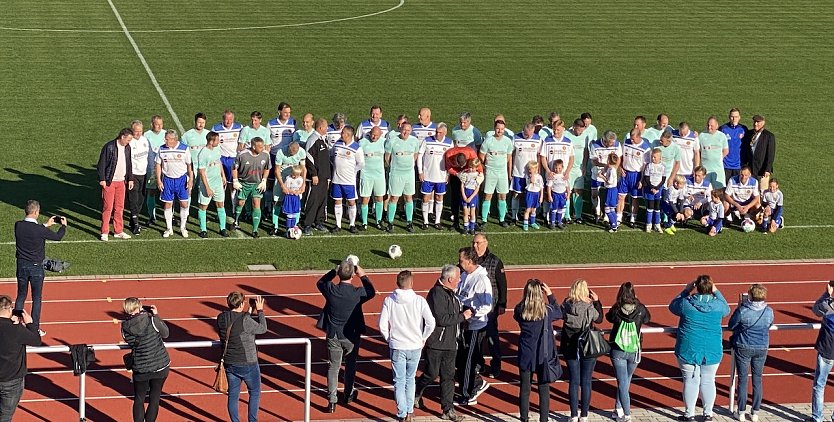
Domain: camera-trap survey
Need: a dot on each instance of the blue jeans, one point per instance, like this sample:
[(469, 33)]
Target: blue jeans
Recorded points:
[(698, 378), (624, 365), (10, 392), (404, 364), (251, 375), (820, 379), (752, 360), (30, 273), (580, 372)]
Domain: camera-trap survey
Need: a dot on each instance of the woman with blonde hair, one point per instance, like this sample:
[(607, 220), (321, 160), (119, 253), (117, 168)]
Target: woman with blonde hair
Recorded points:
[(581, 310), (536, 349), (750, 324), (143, 330)]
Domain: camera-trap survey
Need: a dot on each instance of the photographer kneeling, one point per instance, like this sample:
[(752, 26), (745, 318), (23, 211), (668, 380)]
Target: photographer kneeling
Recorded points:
[(143, 330)]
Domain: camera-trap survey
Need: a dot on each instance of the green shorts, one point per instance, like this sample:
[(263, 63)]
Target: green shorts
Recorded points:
[(369, 186), (576, 180), (401, 184), (249, 190), (496, 183), (218, 194)]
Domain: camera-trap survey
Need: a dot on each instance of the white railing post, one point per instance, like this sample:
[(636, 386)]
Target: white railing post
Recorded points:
[(82, 405), (308, 360), (732, 379)]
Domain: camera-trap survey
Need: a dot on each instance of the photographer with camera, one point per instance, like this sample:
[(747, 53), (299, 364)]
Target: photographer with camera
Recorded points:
[(143, 330), (30, 244), (16, 332)]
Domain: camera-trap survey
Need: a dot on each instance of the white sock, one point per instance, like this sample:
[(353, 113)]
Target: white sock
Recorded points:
[(169, 217), (426, 206), (352, 215), (595, 199), (438, 211), (183, 217), (619, 217), (337, 213)]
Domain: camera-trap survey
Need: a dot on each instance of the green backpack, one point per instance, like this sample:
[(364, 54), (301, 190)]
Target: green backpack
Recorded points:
[(627, 337)]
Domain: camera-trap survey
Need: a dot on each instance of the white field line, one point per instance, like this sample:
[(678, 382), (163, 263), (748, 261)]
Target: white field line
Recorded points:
[(147, 68), (376, 235), (238, 28)]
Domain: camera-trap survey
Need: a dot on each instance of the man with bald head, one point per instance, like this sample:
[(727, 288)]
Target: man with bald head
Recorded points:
[(372, 176)]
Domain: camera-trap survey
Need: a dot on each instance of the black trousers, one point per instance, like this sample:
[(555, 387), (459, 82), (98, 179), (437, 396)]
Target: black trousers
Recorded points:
[(136, 196), (524, 399), (442, 363), (316, 200), (494, 341), (454, 199), (150, 386), (470, 358)]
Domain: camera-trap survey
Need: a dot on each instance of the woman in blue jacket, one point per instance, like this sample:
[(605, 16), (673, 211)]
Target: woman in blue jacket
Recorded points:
[(698, 347), (535, 315), (750, 324)]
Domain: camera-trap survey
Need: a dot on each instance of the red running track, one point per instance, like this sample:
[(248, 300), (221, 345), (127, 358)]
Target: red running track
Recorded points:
[(85, 311)]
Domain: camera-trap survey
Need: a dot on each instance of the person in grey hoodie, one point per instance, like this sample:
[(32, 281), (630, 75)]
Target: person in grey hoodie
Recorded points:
[(750, 324), (143, 330), (475, 293), (405, 323), (581, 309)]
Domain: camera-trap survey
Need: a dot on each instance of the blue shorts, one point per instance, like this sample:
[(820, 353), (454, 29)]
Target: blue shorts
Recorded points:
[(519, 184), (558, 201), (471, 204), (291, 205), (532, 199), (718, 224), (347, 192), (228, 163), (628, 184), (612, 197), (647, 193), (174, 188), (427, 188)]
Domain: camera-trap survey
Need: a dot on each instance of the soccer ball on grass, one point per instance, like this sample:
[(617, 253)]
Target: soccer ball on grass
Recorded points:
[(394, 251)]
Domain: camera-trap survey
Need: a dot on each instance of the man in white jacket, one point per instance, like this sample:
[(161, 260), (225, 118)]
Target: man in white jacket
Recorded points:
[(475, 293), (405, 322)]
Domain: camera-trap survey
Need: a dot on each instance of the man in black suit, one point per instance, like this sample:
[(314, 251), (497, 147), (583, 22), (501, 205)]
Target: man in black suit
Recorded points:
[(318, 177), (758, 150)]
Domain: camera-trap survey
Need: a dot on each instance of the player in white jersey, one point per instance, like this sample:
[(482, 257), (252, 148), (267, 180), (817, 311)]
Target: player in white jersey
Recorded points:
[(424, 126), (374, 121), (547, 130), (431, 167), (672, 206), (714, 219), (742, 195), (654, 179), (174, 178), (281, 130), (772, 203), (229, 131), (334, 130), (636, 154), (534, 185), (698, 192), (687, 141), (526, 147), (156, 137), (348, 159), (465, 134), (140, 149), (555, 146), (557, 194), (598, 153)]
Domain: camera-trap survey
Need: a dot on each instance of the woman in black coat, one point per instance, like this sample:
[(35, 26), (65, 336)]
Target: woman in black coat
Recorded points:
[(536, 349)]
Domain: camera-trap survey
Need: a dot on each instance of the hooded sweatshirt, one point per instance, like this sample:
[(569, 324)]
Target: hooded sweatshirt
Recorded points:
[(578, 317), (750, 324), (699, 336), (475, 292), (144, 333), (636, 313), (406, 320)]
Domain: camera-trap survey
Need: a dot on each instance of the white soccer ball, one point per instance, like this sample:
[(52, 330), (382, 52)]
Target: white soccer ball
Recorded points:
[(748, 225), (394, 251), (294, 233), (353, 259)]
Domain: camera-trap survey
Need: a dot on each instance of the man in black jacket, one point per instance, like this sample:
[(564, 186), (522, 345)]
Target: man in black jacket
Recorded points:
[(495, 271), (115, 176), (344, 324), (758, 150), (318, 177), (16, 332), (30, 245), (440, 350)]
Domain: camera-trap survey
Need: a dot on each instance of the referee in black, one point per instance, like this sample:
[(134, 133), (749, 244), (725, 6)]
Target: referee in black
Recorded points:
[(318, 178), (30, 242)]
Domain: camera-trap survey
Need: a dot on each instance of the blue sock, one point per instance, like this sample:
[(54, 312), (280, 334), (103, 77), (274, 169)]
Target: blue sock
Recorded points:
[(657, 217), (558, 219), (612, 218), (649, 217)]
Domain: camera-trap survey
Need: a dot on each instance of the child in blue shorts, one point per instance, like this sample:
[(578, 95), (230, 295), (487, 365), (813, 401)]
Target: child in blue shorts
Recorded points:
[(470, 184)]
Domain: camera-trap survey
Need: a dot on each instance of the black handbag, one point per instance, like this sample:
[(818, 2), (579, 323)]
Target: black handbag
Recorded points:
[(592, 344)]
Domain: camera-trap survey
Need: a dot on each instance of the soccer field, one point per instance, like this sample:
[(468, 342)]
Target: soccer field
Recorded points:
[(72, 78)]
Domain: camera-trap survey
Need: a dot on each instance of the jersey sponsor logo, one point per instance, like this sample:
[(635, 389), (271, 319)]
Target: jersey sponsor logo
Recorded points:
[(179, 156)]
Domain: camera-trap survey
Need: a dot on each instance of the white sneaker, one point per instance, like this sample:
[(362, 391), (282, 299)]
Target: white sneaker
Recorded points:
[(648, 228), (657, 228), (754, 417), (122, 235), (41, 333), (574, 419), (184, 232), (618, 413), (624, 418), (583, 419), (167, 233), (104, 237)]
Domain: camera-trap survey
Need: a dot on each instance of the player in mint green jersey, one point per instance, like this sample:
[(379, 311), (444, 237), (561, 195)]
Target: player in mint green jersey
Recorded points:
[(465, 134), (301, 135), (653, 133), (195, 138), (284, 163), (372, 176), (497, 156), (156, 137), (671, 156), (576, 178), (212, 183), (254, 130), (714, 148), (401, 155)]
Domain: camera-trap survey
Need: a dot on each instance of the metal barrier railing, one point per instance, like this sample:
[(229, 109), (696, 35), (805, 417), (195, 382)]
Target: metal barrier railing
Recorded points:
[(186, 345)]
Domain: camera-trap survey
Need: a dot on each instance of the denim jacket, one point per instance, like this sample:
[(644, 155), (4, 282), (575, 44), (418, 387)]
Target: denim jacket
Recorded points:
[(750, 324)]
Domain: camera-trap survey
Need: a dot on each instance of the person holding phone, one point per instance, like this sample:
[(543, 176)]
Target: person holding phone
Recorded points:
[(823, 308), (144, 331), (750, 324), (16, 332), (581, 310), (30, 245)]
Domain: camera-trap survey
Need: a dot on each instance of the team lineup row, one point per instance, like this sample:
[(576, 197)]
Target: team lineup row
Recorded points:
[(304, 167)]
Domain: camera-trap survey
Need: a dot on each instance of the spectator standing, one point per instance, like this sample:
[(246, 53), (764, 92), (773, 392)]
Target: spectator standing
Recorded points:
[(581, 309), (16, 332), (406, 322), (475, 293), (758, 150), (344, 323), (441, 346), (698, 343), (30, 245), (627, 316), (750, 324), (823, 308), (143, 330), (115, 176), (498, 280), (535, 315), (237, 335)]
